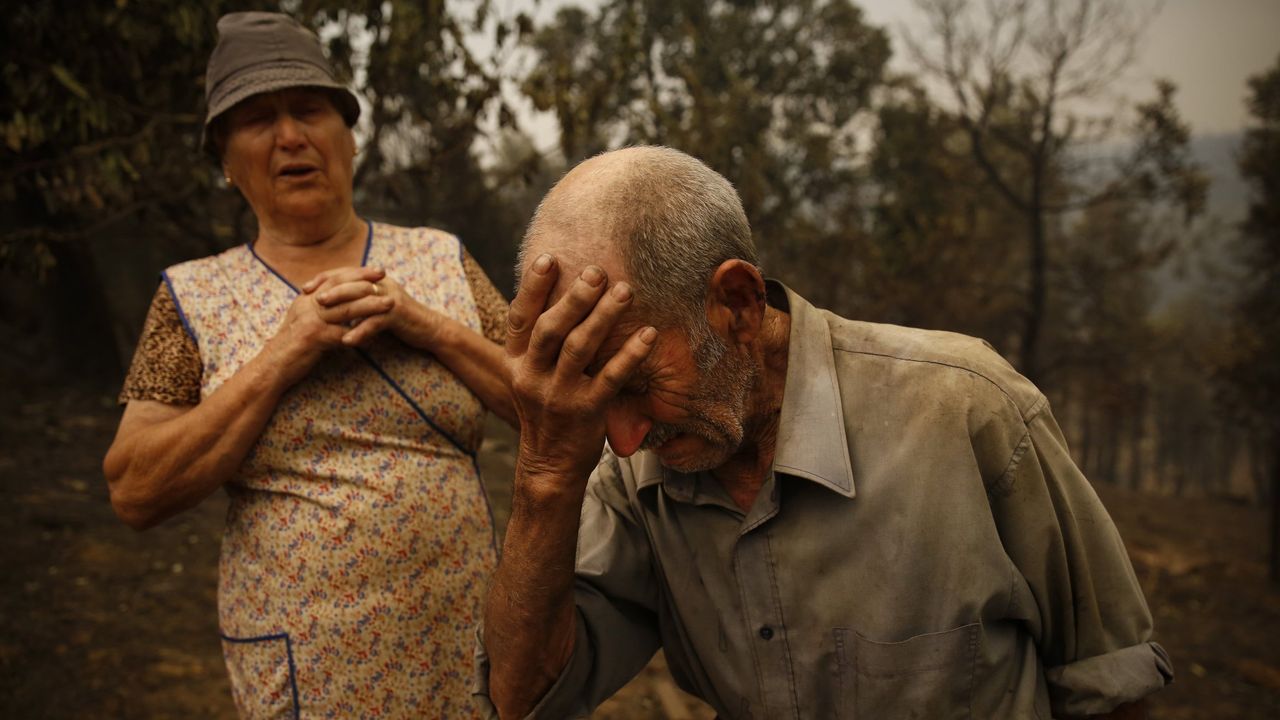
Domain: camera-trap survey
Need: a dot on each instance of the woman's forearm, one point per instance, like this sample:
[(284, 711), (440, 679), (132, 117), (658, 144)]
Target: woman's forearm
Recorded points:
[(166, 459), (479, 363)]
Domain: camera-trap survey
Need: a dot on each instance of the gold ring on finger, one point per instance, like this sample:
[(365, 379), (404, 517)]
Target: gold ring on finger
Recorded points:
[(377, 289)]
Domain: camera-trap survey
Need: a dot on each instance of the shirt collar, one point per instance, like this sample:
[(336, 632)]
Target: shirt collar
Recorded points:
[(811, 440), (811, 429)]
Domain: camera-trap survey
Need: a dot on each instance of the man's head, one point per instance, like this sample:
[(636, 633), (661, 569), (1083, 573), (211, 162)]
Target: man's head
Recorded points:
[(656, 216), (675, 231)]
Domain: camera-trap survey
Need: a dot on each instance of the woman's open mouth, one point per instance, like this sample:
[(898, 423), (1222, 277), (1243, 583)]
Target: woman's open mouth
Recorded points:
[(297, 172)]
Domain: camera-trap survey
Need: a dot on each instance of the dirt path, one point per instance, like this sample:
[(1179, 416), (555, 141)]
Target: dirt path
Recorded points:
[(97, 621)]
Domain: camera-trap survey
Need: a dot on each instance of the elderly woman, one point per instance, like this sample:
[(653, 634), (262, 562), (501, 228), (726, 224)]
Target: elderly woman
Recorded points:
[(332, 377)]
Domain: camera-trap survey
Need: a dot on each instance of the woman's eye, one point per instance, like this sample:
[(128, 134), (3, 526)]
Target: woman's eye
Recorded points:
[(310, 109), (255, 117)]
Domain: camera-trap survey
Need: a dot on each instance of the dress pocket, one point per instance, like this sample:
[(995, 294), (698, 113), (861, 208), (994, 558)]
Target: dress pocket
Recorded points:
[(263, 678), (929, 677)]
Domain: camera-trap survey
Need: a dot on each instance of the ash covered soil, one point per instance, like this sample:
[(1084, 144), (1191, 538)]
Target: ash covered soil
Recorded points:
[(98, 621)]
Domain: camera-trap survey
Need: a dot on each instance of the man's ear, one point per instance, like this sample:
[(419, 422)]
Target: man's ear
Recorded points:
[(735, 301)]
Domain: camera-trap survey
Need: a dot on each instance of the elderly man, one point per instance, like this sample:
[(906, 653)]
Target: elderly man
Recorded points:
[(814, 517)]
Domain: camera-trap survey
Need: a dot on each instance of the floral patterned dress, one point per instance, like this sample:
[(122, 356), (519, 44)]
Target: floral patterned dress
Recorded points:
[(359, 538)]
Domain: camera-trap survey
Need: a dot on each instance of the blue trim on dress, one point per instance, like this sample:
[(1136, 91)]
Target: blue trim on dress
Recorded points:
[(288, 649), (369, 359), (368, 245), (272, 270), (475, 459), (164, 275), (416, 408), (484, 493)]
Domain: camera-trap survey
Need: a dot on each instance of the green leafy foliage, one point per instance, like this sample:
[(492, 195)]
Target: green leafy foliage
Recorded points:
[(101, 121), (1255, 373), (100, 169), (768, 93), (1024, 80), (1003, 207), (432, 103), (938, 253)]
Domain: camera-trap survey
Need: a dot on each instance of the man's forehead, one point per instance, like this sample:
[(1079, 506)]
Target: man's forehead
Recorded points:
[(572, 257), (618, 336), (575, 254), (578, 224)]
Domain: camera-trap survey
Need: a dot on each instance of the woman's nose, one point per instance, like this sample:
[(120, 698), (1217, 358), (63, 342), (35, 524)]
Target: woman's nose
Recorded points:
[(288, 131)]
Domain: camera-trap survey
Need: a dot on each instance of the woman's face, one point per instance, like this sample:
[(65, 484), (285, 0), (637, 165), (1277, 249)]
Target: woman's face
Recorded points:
[(291, 154)]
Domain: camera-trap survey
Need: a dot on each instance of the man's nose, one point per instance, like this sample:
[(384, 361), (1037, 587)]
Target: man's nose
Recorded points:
[(625, 427)]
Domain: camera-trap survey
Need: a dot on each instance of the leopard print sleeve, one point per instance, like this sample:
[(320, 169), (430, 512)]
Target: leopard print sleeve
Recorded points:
[(166, 366), (490, 304)]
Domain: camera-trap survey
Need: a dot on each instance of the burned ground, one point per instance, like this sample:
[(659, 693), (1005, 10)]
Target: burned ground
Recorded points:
[(98, 621)]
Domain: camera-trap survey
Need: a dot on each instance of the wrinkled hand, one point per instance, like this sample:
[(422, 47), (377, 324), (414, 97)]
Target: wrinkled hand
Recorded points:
[(562, 408), (310, 329), (370, 302)]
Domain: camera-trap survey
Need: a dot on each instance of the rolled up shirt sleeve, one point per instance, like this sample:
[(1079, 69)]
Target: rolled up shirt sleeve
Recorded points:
[(1081, 598), (566, 698), (616, 597), (1096, 685)]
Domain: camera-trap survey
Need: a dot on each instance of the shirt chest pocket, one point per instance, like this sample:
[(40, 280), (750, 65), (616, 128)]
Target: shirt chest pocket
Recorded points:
[(929, 677)]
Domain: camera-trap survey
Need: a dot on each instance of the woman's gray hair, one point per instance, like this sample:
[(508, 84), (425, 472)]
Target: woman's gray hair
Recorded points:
[(672, 219)]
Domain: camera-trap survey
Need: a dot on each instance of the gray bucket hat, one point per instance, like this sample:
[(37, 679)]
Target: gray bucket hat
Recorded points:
[(261, 52)]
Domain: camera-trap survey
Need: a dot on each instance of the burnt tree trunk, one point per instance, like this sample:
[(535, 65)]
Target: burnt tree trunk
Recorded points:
[(1137, 426), (1108, 460), (1275, 505), (1036, 289), (84, 346)]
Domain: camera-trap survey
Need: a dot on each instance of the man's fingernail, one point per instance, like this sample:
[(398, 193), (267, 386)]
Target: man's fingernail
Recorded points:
[(648, 335), (593, 275), (542, 264), (621, 292)]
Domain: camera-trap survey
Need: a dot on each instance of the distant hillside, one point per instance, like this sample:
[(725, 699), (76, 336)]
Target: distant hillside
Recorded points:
[(1228, 193), (1204, 273)]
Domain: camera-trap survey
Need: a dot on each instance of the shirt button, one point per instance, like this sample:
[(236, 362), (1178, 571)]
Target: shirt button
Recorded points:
[(766, 632)]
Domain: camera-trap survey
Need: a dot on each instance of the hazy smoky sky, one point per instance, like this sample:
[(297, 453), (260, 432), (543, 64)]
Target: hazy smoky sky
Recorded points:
[(1208, 48)]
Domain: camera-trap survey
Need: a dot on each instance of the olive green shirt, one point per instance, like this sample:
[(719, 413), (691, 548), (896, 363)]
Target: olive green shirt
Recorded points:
[(924, 548)]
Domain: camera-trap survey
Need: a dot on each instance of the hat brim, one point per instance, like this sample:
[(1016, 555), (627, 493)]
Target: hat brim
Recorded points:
[(271, 79)]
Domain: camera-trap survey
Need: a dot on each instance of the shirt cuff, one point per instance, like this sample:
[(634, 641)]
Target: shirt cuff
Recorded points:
[(562, 700), (1099, 684)]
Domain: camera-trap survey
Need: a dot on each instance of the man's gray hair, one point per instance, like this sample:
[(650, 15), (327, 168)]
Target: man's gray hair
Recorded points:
[(674, 221)]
